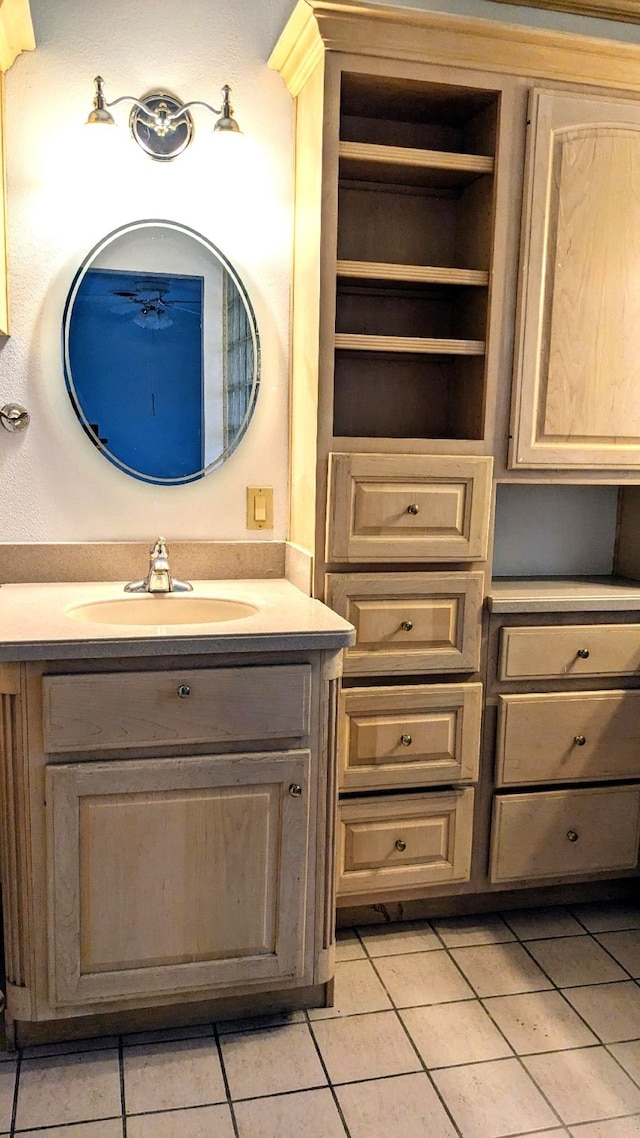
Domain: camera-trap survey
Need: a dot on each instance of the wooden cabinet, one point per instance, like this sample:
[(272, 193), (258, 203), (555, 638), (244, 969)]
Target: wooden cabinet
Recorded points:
[(16, 35), (176, 874), (410, 842), (416, 133), (556, 733), (565, 833), (577, 400), (167, 836)]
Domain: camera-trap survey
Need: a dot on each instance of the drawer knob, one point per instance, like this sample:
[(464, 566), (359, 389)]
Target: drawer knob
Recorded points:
[(572, 836), (579, 740), (583, 653), (413, 509), (400, 845), (406, 625), (295, 790), (183, 691), (406, 740)]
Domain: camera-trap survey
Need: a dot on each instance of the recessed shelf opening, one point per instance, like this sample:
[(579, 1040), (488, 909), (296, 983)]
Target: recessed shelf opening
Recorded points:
[(415, 221), (567, 531)]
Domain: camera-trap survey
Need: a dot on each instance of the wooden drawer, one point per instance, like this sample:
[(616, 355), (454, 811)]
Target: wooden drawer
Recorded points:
[(136, 709), (401, 507), (394, 843), (569, 737), (570, 651), (563, 833), (409, 623), (409, 736)]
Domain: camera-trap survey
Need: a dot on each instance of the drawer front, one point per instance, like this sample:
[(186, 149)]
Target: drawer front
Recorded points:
[(396, 843), (409, 623), (210, 705), (564, 653), (386, 507), (561, 833), (404, 737), (584, 737)]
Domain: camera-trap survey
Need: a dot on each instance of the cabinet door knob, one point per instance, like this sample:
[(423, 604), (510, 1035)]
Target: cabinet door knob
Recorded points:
[(583, 653), (295, 790), (406, 625), (406, 740), (572, 836), (413, 509), (579, 740), (400, 845), (183, 690)]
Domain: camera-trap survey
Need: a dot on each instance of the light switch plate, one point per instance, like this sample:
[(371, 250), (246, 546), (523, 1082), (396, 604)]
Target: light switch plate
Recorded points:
[(259, 507)]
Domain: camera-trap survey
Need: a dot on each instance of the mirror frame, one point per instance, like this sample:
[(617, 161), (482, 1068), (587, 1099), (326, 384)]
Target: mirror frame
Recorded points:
[(88, 263)]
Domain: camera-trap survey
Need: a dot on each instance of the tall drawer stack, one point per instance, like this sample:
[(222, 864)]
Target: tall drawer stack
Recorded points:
[(578, 751), (409, 743)]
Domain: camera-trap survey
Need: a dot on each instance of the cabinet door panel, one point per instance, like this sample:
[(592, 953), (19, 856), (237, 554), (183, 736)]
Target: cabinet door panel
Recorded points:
[(409, 623), (174, 874), (568, 737), (408, 507), (404, 737), (560, 833), (577, 397)]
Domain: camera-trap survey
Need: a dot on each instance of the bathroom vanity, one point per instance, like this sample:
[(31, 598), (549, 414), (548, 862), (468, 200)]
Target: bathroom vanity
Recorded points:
[(168, 804)]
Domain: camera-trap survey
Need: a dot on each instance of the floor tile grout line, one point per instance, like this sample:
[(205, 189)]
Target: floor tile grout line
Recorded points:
[(418, 1055), (329, 1081), (576, 916), (609, 953), (16, 1088), (225, 1080)]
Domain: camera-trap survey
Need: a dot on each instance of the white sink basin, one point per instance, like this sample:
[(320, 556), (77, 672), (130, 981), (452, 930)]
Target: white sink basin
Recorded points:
[(161, 609)]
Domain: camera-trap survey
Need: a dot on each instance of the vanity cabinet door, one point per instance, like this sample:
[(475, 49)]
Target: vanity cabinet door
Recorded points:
[(576, 395), (171, 875)]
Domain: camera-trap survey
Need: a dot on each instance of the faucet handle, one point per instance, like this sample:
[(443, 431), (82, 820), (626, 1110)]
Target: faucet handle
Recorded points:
[(159, 548)]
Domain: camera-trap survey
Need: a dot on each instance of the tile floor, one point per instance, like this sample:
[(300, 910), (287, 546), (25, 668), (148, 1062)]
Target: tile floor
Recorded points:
[(525, 1023)]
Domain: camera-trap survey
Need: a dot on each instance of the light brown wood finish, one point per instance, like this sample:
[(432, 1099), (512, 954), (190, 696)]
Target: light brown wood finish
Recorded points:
[(99, 712), (388, 508), (573, 832), (627, 10), (171, 874), (424, 274), (420, 840), (568, 737), (409, 623), (576, 398), (568, 652), (409, 736)]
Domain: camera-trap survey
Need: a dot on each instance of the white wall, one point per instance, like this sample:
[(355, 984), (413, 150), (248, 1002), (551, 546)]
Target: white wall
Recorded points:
[(68, 186)]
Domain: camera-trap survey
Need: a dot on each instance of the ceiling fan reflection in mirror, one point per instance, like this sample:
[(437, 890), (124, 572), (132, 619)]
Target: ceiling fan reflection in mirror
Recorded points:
[(151, 302)]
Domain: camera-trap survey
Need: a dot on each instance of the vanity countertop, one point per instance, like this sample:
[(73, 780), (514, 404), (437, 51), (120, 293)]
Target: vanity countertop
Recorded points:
[(563, 594), (35, 625)]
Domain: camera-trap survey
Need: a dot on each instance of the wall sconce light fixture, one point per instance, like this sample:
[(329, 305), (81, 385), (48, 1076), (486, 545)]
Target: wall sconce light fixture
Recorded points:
[(159, 122)]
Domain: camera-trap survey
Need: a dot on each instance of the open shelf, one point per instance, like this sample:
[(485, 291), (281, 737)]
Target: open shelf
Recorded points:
[(416, 344), (410, 166), (381, 271), (415, 222)]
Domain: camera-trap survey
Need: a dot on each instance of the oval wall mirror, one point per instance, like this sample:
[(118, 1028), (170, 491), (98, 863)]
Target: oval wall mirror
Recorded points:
[(161, 352)]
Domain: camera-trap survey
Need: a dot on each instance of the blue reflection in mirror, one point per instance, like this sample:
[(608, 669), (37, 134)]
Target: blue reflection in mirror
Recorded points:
[(162, 367)]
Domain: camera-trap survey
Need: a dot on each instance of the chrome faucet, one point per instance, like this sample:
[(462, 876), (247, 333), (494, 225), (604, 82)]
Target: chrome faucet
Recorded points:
[(158, 579)]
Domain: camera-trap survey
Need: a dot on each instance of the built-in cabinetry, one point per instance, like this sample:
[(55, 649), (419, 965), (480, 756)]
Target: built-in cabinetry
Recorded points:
[(16, 35), (576, 392), (167, 835), (567, 776), (421, 283)]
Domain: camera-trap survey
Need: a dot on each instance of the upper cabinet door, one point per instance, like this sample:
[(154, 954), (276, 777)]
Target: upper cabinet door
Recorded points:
[(577, 368)]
